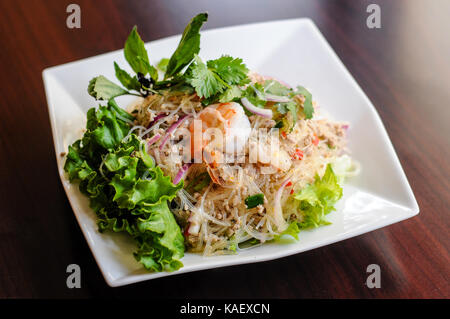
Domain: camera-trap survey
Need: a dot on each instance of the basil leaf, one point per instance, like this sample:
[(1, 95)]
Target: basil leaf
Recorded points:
[(150, 69), (162, 64), (131, 83), (189, 46), (135, 53)]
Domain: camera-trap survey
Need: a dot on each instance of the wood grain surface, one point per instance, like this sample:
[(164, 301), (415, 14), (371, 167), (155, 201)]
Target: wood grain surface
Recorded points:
[(404, 68)]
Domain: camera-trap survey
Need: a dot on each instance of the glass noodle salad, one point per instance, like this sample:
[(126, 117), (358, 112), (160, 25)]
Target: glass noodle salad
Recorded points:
[(211, 157)]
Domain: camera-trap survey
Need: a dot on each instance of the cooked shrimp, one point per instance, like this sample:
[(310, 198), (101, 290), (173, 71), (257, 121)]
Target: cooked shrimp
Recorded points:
[(224, 129)]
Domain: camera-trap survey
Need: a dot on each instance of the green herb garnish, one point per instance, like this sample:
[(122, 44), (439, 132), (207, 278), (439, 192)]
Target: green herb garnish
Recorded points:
[(254, 200)]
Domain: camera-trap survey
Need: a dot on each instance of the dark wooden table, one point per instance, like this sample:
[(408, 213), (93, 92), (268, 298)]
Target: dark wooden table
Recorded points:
[(404, 68)]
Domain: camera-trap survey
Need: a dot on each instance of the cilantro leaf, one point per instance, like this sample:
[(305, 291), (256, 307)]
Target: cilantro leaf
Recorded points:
[(231, 70), (276, 88), (205, 82), (230, 94), (308, 108), (188, 47), (286, 107), (252, 95), (103, 89)]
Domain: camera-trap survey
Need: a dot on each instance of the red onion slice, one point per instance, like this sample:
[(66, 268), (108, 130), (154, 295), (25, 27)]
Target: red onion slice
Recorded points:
[(258, 93), (268, 77), (267, 113), (276, 98), (270, 97), (181, 173), (157, 117), (153, 140), (171, 129)]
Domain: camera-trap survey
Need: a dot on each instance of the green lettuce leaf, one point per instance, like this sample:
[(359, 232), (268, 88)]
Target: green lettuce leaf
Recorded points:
[(317, 199), (292, 230), (165, 234), (312, 203), (126, 191)]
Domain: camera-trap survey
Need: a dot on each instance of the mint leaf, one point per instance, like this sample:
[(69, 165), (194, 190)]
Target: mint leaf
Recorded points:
[(188, 47), (135, 53), (231, 70), (103, 89), (131, 83)]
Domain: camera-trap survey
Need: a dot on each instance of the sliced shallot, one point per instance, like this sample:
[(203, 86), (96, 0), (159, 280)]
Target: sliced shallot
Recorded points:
[(267, 113)]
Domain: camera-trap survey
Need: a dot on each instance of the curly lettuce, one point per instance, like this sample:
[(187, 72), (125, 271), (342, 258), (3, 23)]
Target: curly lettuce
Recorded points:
[(126, 191), (314, 202)]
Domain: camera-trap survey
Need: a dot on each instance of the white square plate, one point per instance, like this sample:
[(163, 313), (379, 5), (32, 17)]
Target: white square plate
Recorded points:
[(291, 50)]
